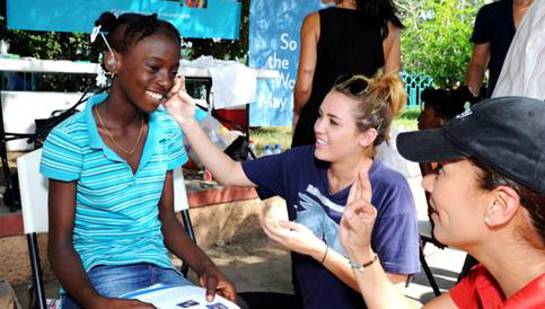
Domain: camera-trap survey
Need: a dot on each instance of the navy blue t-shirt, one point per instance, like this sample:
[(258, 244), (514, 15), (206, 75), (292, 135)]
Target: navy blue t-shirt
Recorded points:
[(495, 25), (301, 180)]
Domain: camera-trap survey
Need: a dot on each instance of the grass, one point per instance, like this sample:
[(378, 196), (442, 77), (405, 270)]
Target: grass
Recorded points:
[(262, 136), (282, 135), (408, 119)]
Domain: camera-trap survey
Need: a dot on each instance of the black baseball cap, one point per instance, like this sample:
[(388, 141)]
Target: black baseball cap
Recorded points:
[(506, 134)]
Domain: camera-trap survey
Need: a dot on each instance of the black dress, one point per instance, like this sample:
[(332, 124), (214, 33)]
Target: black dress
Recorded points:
[(348, 44)]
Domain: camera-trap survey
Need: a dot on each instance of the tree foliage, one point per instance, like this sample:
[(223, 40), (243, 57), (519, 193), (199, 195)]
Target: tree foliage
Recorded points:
[(436, 40)]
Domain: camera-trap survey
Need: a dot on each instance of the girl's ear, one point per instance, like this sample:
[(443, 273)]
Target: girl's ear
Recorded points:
[(367, 138), (112, 62)]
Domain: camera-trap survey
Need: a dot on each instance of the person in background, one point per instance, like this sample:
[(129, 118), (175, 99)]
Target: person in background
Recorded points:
[(111, 213), (353, 37), (494, 29), (316, 181), (441, 105), (488, 197), (523, 72)]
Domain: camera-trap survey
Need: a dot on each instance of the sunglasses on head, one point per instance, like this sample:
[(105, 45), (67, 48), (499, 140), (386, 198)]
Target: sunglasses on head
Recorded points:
[(356, 85)]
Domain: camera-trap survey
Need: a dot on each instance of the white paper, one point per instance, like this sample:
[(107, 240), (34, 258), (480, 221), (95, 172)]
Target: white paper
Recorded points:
[(177, 297)]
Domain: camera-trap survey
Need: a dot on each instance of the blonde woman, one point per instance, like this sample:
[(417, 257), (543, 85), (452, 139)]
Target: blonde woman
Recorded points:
[(315, 181)]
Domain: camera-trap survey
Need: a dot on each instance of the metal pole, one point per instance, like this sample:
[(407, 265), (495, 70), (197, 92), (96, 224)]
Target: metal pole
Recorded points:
[(36, 271), (189, 230)]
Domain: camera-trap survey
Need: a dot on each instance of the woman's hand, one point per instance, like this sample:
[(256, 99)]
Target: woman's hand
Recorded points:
[(180, 104), (358, 219), (214, 281), (106, 302), (295, 237)]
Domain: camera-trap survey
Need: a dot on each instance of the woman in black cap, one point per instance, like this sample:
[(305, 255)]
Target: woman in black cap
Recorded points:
[(488, 197)]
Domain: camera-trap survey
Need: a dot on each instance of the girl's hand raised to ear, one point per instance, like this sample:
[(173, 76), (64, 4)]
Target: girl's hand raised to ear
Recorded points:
[(358, 219), (180, 104)]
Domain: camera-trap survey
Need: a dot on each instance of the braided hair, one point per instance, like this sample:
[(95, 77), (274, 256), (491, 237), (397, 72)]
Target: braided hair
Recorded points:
[(129, 28)]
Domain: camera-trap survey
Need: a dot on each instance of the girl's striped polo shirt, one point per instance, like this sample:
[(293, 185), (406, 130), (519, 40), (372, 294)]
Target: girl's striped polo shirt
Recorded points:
[(116, 218)]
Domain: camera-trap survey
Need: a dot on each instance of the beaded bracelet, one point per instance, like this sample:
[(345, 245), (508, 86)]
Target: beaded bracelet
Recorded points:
[(361, 267)]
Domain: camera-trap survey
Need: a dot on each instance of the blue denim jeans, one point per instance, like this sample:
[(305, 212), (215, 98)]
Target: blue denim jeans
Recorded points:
[(114, 281)]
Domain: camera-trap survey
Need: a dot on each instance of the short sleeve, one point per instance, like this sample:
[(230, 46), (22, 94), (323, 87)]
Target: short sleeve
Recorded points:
[(395, 236), (482, 31), (200, 115), (268, 174), (62, 158), (177, 155)]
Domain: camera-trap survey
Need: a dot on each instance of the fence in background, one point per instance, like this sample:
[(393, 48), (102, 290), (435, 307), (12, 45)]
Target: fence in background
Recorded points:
[(414, 85)]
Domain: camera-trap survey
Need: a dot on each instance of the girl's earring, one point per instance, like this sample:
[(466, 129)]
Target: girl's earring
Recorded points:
[(101, 79), (112, 64)]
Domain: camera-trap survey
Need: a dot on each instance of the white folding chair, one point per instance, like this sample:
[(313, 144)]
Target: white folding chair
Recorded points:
[(181, 204), (33, 188)]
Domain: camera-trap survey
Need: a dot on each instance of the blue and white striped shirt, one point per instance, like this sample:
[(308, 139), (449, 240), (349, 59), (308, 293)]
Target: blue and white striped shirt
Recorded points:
[(116, 220)]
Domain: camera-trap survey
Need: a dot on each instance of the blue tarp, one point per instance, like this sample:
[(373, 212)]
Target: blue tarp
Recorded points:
[(218, 19)]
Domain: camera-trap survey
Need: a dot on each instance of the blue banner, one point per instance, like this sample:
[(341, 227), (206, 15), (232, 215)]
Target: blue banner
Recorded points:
[(274, 44), (193, 18)]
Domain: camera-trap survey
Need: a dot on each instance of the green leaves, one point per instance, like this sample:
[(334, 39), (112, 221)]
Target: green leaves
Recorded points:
[(436, 40)]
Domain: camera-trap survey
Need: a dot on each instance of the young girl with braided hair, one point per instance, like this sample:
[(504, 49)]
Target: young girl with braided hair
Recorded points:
[(111, 215), (316, 182)]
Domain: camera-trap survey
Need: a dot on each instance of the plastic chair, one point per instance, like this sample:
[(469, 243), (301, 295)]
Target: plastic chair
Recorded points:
[(34, 187), (425, 229), (181, 204)]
